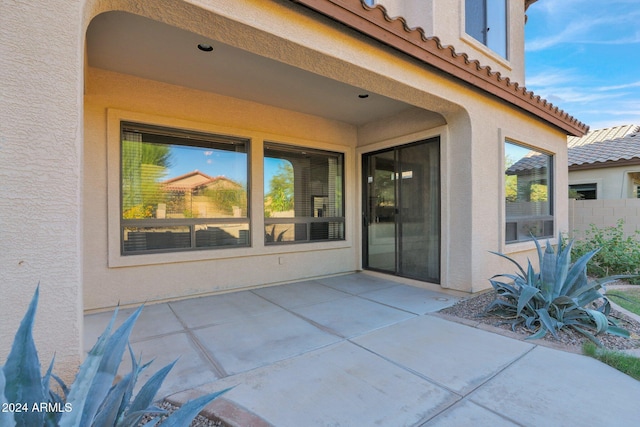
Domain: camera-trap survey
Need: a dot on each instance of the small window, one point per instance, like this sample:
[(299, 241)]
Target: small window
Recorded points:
[(303, 194), (486, 21), (182, 190), (583, 191), (528, 184)]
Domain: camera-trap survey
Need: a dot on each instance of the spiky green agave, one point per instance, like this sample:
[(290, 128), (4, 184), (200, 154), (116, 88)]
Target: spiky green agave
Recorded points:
[(93, 398), (559, 295)]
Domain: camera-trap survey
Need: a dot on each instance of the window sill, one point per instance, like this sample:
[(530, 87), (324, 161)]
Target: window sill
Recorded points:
[(517, 247), (118, 261)]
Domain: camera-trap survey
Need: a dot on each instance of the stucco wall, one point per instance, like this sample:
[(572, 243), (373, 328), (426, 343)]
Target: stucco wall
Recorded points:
[(612, 182), (40, 171), (110, 278)]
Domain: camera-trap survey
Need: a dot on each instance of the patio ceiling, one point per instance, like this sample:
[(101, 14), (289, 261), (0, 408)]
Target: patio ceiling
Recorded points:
[(130, 44)]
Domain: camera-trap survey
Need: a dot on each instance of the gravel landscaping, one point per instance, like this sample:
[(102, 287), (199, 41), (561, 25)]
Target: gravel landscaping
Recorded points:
[(470, 311)]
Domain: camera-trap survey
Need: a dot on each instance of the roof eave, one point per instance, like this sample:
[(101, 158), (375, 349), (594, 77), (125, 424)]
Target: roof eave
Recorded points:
[(394, 32), (608, 164)]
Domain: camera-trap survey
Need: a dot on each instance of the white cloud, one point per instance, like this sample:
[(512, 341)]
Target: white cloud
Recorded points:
[(574, 22), (618, 87), (208, 153)]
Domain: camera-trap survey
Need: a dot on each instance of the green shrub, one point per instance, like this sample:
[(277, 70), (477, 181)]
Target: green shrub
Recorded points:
[(93, 399), (560, 295), (617, 255)]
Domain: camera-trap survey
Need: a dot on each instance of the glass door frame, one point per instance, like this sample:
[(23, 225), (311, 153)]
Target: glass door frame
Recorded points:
[(365, 159)]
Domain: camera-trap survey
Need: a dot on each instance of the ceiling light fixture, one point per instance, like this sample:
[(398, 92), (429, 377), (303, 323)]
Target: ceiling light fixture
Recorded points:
[(205, 47)]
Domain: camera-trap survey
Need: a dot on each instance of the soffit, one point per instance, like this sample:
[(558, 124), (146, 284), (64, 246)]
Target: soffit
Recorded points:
[(376, 23), (138, 46)]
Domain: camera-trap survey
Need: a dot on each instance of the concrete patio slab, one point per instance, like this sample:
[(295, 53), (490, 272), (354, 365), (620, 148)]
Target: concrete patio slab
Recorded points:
[(293, 295), (218, 309), (293, 365), (412, 299), (352, 316), (191, 369), (254, 341), (356, 284), (467, 413), (455, 356), (155, 320), (570, 389), (340, 385)]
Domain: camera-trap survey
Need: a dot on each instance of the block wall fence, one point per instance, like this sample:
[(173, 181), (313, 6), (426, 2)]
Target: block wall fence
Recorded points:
[(603, 213)]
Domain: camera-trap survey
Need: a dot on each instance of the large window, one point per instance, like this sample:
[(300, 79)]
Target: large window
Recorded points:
[(303, 194), (528, 182), (182, 190), (486, 21)]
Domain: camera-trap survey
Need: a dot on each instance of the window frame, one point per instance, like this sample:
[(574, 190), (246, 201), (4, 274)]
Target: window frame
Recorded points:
[(192, 139), (543, 219), (500, 48), (271, 237)]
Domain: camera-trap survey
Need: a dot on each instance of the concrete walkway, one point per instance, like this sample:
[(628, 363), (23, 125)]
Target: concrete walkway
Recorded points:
[(358, 350)]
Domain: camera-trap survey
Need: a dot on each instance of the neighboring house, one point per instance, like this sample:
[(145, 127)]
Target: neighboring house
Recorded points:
[(605, 164), (363, 141)]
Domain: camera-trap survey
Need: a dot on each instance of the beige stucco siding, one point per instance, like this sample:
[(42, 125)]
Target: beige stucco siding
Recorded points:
[(111, 278), (40, 158)]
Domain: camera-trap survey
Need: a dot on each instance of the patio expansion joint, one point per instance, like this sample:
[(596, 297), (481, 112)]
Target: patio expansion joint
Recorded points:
[(216, 366), (409, 370), (424, 422), (306, 319)]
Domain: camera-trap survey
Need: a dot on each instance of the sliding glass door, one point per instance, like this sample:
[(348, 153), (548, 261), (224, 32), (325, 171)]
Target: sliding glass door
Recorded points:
[(402, 210)]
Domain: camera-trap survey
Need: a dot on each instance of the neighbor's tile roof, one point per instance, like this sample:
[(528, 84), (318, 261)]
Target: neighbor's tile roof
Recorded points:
[(395, 32), (599, 135), (533, 160), (602, 151)]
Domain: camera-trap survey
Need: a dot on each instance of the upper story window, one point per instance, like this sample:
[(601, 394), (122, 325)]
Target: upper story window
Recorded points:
[(303, 195), (181, 190), (486, 21), (528, 185)]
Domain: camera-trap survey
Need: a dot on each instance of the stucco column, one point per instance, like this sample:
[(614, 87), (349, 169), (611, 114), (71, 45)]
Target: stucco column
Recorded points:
[(41, 45)]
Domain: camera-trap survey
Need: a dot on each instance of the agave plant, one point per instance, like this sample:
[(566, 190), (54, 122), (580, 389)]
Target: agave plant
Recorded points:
[(93, 399), (559, 295)]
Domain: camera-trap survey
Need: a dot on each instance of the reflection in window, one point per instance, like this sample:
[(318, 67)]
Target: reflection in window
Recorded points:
[(303, 194), (182, 190), (528, 185), (486, 21)]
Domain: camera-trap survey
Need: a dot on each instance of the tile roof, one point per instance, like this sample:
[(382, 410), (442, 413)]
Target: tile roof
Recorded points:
[(533, 160), (598, 153), (375, 22), (599, 135)]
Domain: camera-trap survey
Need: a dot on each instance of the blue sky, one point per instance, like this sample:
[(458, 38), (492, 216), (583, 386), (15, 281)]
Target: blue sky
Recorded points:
[(584, 57)]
